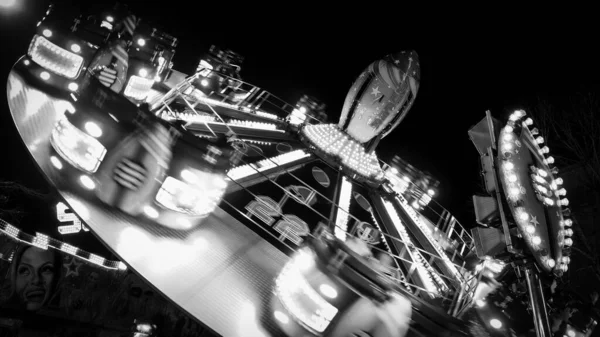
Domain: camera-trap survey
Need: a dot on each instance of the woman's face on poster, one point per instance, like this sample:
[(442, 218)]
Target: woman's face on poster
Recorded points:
[(34, 279)]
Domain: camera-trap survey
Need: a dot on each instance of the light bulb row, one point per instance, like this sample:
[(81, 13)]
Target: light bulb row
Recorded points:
[(440, 251), (544, 184), (331, 140)]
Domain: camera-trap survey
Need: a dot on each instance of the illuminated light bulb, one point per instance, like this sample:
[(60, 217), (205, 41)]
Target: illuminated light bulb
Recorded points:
[(122, 266), (568, 242), (507, 146), (26, 62), (110, 19), (564, 202), (548, 201), (514, 191), (568, 232), (514, 116), (551, 263), (541, 188), (536, 240), (543, 173), (508, 128), (553, 185), (496, 323), (530, 229), (545, 149), (559, 181), (528, 122), (564, 267), (480, 303), (281, 317), (47, 32), (539, 140), (73, 86), (509, 165), (328, 291), (524, 216), (508, 137), (75, 48), (56, 162), (568, 223), (566, 260), (44, 75), (512, 178), (87, 182), (150, 212), (550, 160), (143, 72), (141, 42), (93, 129), (561, 192), (535, 131)]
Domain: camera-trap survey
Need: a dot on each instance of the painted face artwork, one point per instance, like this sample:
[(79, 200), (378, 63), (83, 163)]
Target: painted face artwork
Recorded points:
[(34, 278)]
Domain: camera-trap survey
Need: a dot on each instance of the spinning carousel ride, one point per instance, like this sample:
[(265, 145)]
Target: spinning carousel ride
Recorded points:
[(240, 209)]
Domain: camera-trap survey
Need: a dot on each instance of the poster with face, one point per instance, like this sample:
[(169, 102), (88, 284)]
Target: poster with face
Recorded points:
[(46, 292)]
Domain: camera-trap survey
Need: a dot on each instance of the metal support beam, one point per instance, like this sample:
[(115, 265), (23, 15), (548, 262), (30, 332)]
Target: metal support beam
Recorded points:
[(538, 303)]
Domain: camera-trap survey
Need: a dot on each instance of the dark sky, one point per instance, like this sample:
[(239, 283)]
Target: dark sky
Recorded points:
[(470, 63)]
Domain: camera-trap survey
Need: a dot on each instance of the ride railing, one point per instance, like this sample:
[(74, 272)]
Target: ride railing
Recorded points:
[(228, 92), (413, 268), (458, 289), (447, 230)]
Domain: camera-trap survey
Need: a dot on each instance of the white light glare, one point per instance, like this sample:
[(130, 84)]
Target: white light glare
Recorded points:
[(143, 72), (150, 212), (141, 42), (47, 32), (93, 129), (328, 291), (56, 162), (75, 48), (495, 323), (281, 317), (7, 3), (44, 75), (87, 182)]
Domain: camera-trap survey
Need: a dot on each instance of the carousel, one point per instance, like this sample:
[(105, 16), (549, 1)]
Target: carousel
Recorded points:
[(258, 219)]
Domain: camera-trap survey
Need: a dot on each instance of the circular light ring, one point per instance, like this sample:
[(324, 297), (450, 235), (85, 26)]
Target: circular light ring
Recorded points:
[(519, 142), (342, 150)]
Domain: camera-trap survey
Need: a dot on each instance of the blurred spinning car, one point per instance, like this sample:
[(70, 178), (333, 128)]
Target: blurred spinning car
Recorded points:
[(124, 54), (328, 288), (136, 162), (219, 75), (64, 44)]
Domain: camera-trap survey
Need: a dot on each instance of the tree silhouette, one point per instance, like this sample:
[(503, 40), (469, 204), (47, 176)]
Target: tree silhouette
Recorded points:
[(571, 128)]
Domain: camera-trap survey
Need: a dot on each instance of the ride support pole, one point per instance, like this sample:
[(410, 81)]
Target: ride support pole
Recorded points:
[(538, 303)]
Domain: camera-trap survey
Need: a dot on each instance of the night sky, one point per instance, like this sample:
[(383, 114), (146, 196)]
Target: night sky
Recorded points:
[(468, 66)]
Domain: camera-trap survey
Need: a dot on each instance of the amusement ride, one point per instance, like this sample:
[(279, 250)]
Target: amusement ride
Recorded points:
[(259, 218)]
